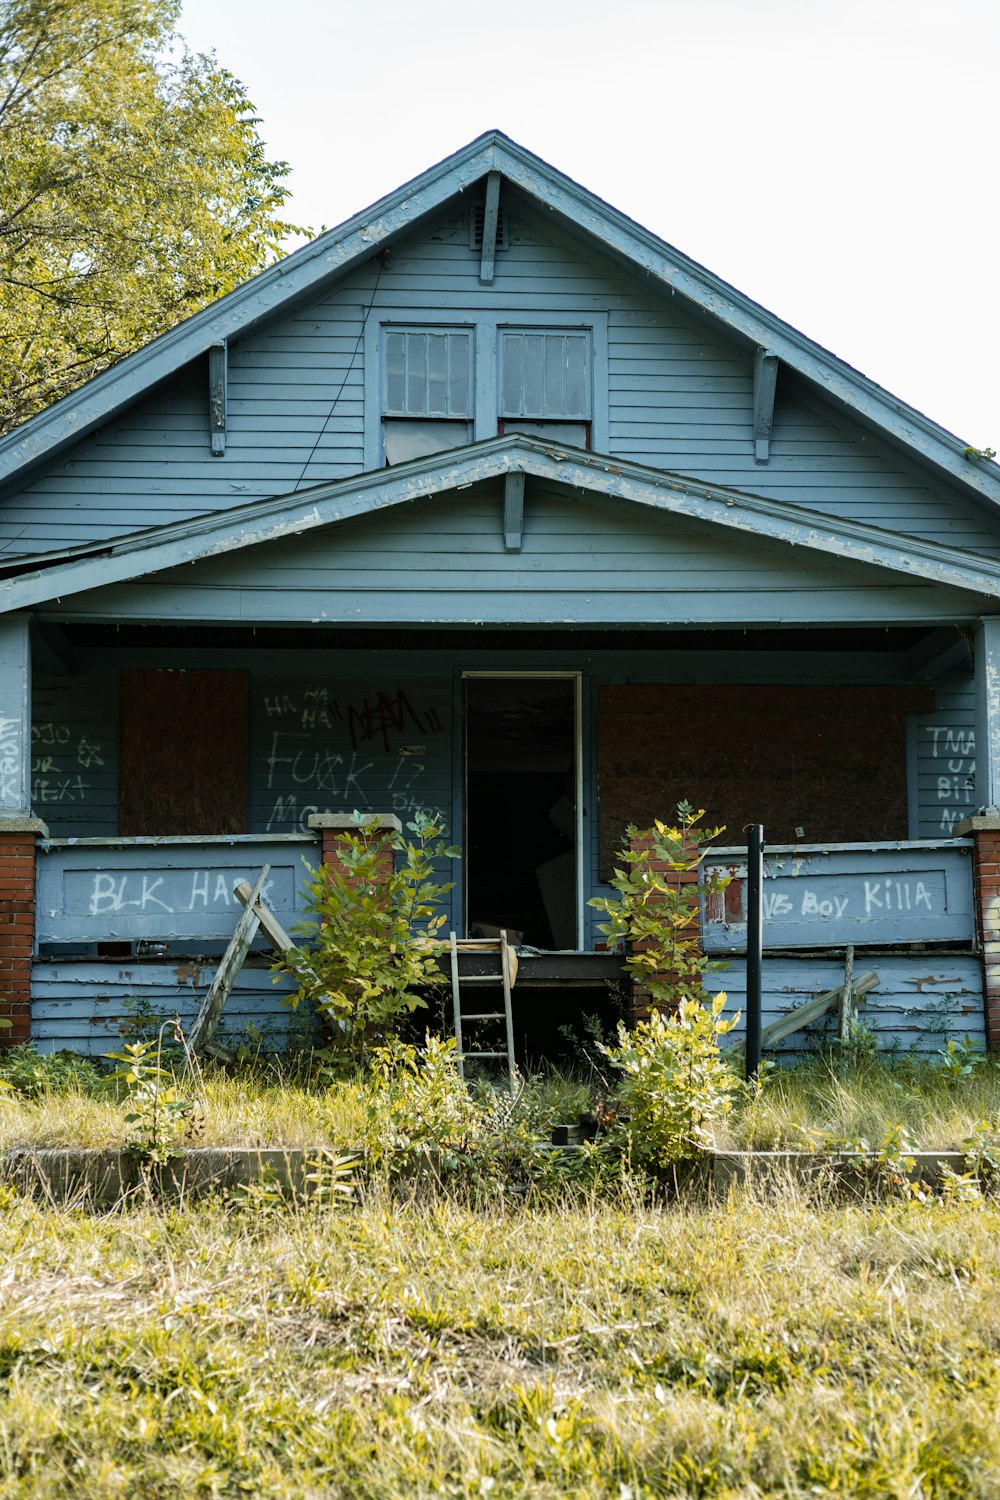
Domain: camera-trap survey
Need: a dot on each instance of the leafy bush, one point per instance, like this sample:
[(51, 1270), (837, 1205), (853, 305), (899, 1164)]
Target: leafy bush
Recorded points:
[(418, 1104), (372, 942), (33, 1074), (423, 1121), (160, 1111), (657, 912), (675, 1084)]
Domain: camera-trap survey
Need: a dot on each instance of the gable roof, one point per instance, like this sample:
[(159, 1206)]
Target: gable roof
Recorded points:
[(34, 581), (350, 244)]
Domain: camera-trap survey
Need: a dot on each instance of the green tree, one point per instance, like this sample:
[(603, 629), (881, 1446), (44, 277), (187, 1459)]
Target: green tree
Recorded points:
[(134, 189)]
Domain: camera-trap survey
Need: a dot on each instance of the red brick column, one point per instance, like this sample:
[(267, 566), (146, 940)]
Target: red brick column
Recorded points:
[(685, 881), (333, 826), (984, 831), (17, 924)]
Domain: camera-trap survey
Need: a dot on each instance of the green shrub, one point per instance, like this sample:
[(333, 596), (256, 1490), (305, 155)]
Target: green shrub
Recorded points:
[(656, 913), (33, 1074), (160, 1113), (372, 942), (419, 1105), (424, 1123), (675, 1085)]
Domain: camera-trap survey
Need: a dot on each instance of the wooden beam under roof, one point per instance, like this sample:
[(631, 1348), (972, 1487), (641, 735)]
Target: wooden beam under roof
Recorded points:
[(513, 510), (938, 652), (765, 380), (491, 221), (218, 396)]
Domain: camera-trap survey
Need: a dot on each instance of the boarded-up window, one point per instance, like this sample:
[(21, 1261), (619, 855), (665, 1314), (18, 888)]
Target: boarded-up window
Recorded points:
[(828, 760), (184, 753)]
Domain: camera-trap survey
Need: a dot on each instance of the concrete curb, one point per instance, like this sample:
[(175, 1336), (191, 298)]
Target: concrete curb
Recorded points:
[(101, 1176)]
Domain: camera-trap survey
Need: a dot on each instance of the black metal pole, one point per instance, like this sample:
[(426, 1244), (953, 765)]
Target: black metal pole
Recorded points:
[(755, 941)]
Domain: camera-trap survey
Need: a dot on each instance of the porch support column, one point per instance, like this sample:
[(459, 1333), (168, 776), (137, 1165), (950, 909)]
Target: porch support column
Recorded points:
[(987, 656), (18, 832), (984, 828)]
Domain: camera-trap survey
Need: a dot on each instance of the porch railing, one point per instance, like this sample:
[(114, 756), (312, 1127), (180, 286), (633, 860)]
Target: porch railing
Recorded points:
[(826, 895), (163, 890)]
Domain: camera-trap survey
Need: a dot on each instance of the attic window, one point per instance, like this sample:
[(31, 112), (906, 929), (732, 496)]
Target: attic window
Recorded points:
[(476, 220), (427, 392), (545, 384)]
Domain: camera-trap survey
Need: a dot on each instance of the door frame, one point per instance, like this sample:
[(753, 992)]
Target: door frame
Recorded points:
[(461, 780)]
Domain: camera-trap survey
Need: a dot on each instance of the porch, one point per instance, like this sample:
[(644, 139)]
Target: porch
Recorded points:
[(129, 927), (168, 762)]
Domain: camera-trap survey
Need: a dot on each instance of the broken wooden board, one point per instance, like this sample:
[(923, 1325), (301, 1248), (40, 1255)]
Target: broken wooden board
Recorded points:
[(210, 1014)]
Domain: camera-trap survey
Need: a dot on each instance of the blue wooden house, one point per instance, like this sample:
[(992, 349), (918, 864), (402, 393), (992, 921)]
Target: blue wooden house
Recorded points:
[(491, 503)]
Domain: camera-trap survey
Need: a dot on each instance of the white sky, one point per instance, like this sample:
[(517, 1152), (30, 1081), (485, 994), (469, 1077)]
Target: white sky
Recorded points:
[(836, 160)]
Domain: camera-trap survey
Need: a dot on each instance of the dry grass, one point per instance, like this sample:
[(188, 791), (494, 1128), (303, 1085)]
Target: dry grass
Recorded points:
[(797, 1107), (937, 1108), (757, 1347)]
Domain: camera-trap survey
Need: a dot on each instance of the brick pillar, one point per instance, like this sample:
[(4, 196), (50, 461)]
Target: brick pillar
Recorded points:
[(984, 830), (17, 924), (684, 881), (333, 826)]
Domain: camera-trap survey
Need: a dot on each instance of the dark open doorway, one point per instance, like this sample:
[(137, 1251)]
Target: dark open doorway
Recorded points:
[(520, 808)]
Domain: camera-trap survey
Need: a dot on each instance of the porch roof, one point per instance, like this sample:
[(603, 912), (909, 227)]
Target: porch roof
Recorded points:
[(36, 580)]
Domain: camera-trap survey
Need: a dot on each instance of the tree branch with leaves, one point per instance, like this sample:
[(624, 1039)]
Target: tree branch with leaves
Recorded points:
[(134, 189)]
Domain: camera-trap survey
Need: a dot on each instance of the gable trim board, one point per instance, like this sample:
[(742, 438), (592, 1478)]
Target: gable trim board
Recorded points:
[(57, 575), (349, 245)]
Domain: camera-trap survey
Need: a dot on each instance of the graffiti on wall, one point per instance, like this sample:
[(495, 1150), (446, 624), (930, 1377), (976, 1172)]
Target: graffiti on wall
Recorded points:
[(60, 757), (345, 751)]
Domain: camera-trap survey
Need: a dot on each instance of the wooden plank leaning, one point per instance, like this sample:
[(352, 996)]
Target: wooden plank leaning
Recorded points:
[(802, 1015), (207, 1020)]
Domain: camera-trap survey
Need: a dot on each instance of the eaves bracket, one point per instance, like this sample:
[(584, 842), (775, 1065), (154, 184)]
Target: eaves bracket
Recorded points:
[(765, 379)]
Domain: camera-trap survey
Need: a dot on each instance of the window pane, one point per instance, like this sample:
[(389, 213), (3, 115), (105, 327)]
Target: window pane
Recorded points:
[(533, 384), (545, 374), (416, 374), (553, 397), (577, 398), (437, 375), (510, 401), (406, 438), (395, 372), (459, 357), (427, 372)]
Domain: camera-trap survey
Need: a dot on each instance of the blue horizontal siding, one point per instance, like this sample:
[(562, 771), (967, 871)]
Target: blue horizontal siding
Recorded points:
[(74, 754), (332, 743), (923, 1000), (581, 561), (679, 397), (81, 1005), (946, 757)]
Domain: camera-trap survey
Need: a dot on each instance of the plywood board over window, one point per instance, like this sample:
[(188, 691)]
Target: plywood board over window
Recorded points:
[(830, 761), (184, 752)]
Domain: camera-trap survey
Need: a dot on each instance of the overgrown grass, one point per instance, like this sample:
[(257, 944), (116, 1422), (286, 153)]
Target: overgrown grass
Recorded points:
[(817, 1102), (758, 1347), (825, 1100)]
